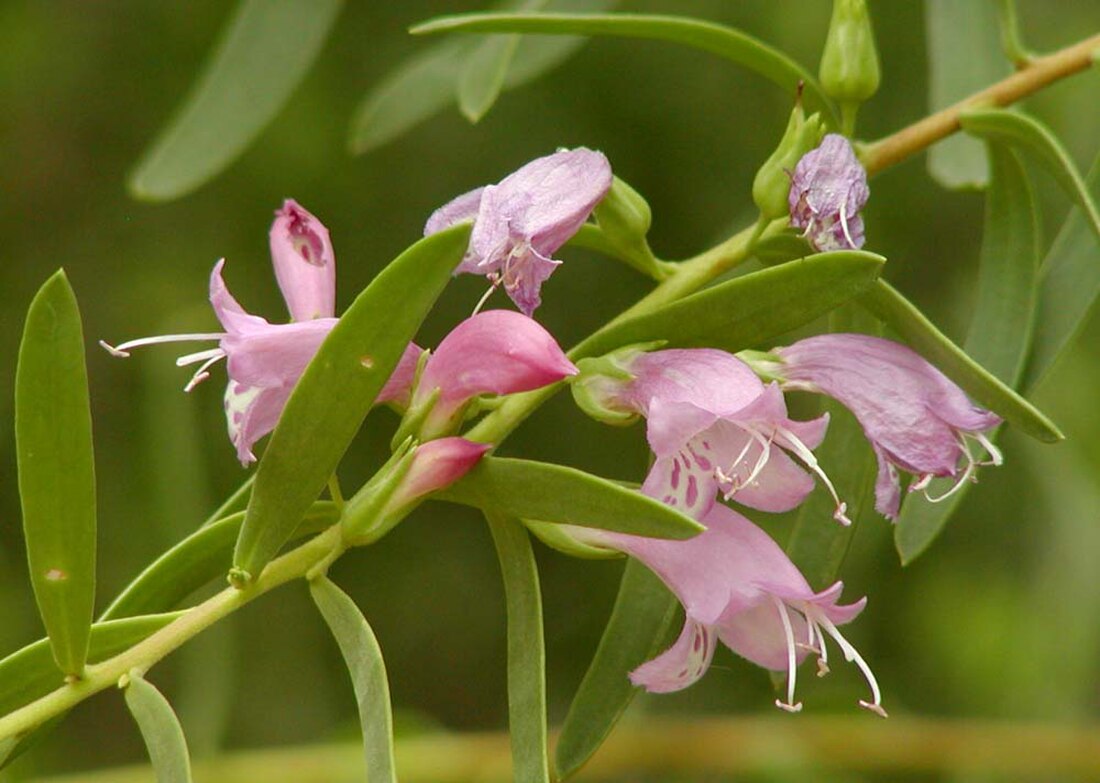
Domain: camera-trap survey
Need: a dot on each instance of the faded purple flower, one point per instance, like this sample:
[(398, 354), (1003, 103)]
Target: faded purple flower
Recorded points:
[(737, 586), (916, 418), (494, 352), (715, 427), (828, 189), (520, 222)]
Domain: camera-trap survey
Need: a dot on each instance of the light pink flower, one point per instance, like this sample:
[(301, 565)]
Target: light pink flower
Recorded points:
[(520, 222), (714, 426), (828, 189), (436, 464), (915, 417), (738, 587), (265, 360), (494, 352)]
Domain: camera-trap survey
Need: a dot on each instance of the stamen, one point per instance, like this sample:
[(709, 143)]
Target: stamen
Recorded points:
[(852, 655), (807, 457), (201, 374), (122, 350), (792, 660), (921, 483), (844, 222), (761, 461), (995, 456), (485, 297), (955, 487), (199, 356)]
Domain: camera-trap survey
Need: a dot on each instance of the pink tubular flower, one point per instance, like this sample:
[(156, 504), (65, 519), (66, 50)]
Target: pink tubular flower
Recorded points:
[(828, 189), (738, 586), (520, 222), (915, 417), (714, 426), (265, 360), (494, 352)]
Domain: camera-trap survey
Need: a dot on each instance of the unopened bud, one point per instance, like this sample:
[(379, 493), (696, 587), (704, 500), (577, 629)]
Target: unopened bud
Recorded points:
[(773, 181), (623, 214), (599, 386), (849, 65)]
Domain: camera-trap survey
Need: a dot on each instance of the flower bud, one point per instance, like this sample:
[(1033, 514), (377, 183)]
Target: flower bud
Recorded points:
[(849, 65), (773, 180), (623, 215)]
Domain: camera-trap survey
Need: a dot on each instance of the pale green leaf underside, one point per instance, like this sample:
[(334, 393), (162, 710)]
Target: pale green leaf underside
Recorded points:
[(56, 462), (359, 647), (266, 50), (161, 730)]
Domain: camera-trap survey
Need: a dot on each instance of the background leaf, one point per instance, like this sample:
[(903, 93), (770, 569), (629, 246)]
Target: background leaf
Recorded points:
[(1070, 285), (640, 620), (266, 50), (363, 657), (526, 649), (556, 493), (161, 730), (53, 438), (356, 358), (748, 310), (1000, 329), (726, 42), (964, 56)]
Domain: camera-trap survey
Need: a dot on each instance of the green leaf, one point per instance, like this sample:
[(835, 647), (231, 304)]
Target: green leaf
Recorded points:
[(483, 76), (1027, 133), (160, 728), (726, 42), (53, 438), (29, 673), (234, 503), (964, 56), (337, 390), (1000, 328), (748, 310), (555, 493), (526, 649), (1070, 285), (908, 321), (363, 657), (640, 621), (265, 52), (201, 558)]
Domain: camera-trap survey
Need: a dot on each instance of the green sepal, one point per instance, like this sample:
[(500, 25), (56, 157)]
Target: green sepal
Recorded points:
[(624, 217), (557, 537), (772, 184), (366, 516), (598, 378)]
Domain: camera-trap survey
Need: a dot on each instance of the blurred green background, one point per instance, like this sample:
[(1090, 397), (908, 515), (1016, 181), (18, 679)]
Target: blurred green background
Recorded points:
[(1001, 619)]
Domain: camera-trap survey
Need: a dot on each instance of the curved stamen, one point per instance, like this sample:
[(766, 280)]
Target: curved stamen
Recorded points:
[(792, 660), (201, 374), (494, 281), (803, 453), (844, 222), (995, 456), (122, 349), (199, 356), (852, 655)]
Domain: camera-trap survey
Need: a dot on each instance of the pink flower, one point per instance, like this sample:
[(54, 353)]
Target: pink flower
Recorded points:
[(265, 360), (520, 222), (915, 417), (738, 587), (714, 426), (494, 352), (435, 465), (828, 189)]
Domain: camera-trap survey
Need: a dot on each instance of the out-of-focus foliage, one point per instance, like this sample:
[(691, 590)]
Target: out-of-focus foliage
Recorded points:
[(997, 620)]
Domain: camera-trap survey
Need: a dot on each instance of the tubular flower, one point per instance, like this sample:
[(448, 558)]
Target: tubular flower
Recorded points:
[(915, 417), (828, 189), (520, 222), (494, 352), (715, 427), (265, 360), (738, 587)]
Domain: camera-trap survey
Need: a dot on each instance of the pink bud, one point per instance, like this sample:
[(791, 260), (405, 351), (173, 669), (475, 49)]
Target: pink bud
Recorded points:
[(305, 265), (437, 464)]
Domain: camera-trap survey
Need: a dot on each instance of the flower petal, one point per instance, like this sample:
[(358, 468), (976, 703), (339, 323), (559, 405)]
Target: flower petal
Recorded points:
[(398, 388), (275, 355), (681, 664), (250, 413), (304, 262), (232, 316)]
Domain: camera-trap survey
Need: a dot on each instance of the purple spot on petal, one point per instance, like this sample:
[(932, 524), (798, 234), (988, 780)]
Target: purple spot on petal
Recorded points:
[(697, 644), (675, 480), (692, 491), (238, 417)]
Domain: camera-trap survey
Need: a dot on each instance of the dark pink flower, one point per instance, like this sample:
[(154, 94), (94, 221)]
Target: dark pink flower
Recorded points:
[(520, 222), (916, 418), (828, 189)]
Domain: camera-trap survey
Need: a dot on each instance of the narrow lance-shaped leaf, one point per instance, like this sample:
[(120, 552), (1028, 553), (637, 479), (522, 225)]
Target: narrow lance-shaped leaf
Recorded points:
[(964, 56), (338, 388), (556, 493), (266, 50), (1070, 285), (749, 310), (486, 68), (53, 435), (526, 649), (639, 625), (726, 42), (1000, 328), (1027, 134), (160, 728), (363, 657), (908, 321)]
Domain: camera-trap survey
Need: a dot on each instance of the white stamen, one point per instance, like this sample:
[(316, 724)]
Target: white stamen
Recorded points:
[(955, 487), (921, 483), (122, 350), (201, 374), (844, 222), (995, 456), (199, 356), (761, 462), (485, 297), (803, 452), (852, 655), (792, 660)]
